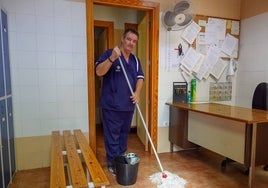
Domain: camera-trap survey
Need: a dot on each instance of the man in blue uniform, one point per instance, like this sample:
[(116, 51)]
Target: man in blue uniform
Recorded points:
[(117, 102)]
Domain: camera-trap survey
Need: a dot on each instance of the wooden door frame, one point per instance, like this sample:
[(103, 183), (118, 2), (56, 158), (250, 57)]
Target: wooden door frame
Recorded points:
[(154, 10), (110, 30)]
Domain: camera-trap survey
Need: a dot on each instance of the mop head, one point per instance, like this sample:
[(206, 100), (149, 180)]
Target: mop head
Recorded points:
[(167, 180)]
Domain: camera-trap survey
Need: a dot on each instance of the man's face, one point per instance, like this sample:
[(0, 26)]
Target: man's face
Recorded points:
[(129, 42)]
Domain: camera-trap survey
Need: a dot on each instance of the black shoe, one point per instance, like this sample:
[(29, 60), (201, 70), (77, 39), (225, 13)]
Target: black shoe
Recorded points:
[(265, 168), (112, 170)]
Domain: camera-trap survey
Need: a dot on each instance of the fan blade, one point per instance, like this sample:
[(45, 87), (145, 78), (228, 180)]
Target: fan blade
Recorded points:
[(169, 19), (181, 6)]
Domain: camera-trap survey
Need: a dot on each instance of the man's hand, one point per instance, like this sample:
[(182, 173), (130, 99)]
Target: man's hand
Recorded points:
[(135, 98), (115, 53)]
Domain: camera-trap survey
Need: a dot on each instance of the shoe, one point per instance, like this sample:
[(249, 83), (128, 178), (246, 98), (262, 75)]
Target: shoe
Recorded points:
[(112, 170)]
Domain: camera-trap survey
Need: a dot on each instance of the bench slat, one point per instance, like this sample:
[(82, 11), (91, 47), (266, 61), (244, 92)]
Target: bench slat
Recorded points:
[(57, 175), (76, 169), (96, 172)]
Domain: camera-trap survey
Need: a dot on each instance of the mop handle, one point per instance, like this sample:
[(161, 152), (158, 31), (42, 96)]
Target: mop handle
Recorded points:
[(141, 116)]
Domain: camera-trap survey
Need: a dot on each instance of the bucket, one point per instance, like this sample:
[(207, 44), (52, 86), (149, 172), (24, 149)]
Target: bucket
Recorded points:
[(126, 168)]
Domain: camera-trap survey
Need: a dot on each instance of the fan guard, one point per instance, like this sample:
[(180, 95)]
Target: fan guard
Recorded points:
[(179, 17)]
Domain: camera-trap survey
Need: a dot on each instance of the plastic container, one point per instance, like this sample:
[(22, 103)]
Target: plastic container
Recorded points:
[(126, 168), (189, 99), (193, 90)]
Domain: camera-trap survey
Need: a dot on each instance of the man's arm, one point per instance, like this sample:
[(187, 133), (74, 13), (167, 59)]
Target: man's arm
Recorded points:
[(104, 67)]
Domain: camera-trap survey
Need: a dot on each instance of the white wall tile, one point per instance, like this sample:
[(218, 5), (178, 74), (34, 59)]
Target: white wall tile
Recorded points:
[(79, 44), (66, 110), (29, 94), (30, 110), (48, 110), (63, 43), (44, 8), (48, 93), (65, 78), (25, 23), (12, 41), (24, 6), (27, 60), (67, 123), (79, 61), (12, 23), (47, 125), (45, 25), (80, 109), (47, 77), (65, 94), (62, 9), (45, 42), (31, 127), (64, 60), (28, 77), (80, 77), (63, 27), (46, 60), (26, 41), (80, 94), (79, 27), (78, 11)]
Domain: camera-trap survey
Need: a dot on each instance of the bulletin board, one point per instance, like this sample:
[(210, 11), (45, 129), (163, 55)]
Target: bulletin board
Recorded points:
[(229, 30), (232, 28)]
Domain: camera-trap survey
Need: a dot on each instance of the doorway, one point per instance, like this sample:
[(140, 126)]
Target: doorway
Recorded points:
[(153, 12)]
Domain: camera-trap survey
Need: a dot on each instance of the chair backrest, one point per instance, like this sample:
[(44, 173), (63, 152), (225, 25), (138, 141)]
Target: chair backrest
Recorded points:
[(260, 99)]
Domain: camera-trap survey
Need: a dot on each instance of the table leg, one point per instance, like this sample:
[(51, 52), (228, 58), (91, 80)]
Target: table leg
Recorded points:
[(171, 147), (253, 155)]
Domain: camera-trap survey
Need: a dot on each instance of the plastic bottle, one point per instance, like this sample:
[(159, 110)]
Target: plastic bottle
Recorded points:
[(193, 90), (189, 97)]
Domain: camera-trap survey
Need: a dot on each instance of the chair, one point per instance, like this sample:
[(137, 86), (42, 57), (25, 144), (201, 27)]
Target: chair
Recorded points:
[(260, 101)]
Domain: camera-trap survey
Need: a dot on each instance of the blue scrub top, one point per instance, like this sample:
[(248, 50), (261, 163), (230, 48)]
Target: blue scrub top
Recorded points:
[(115, 90)]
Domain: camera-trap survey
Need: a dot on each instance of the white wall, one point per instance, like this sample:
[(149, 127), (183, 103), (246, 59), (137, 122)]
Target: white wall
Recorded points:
[(253, 58), (48, 65)]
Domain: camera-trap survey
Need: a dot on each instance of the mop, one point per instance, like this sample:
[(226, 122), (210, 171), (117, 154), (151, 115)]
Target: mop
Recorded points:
[(163, 179)]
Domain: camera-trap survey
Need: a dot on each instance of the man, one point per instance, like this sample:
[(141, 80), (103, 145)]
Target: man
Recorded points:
[(117, 102)]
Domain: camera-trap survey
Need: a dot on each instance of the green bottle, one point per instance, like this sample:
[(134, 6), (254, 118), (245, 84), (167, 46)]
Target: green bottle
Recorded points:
[(193, 90)]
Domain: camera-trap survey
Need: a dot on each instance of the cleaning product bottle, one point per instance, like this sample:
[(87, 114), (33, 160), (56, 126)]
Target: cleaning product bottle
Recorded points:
[(189, 97), (193, 90)]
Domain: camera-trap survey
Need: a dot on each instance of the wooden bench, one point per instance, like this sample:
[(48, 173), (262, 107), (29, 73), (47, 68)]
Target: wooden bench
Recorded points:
[(73, 163)]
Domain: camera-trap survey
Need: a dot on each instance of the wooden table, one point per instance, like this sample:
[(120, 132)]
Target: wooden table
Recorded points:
[(254, 129)]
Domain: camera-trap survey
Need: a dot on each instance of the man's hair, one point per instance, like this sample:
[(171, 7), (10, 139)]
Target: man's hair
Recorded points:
[(130, 31)]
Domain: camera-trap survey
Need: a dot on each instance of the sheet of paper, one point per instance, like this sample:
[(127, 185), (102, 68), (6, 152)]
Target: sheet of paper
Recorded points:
[(218, 69), (190, 59), (210, 60), (235, 28), (190, 33), (211, 34), (173, 58), (229, 44), (199, 63), (219, 25), (201, 45)]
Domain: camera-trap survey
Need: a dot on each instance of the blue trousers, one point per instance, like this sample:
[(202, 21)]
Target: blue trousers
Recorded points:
[(116, 127)]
